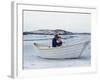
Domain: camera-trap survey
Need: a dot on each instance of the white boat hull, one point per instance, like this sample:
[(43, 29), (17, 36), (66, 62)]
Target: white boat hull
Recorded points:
[(69, 51)]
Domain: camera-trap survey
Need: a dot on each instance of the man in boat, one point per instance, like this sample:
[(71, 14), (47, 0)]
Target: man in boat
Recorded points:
[(56, 40)]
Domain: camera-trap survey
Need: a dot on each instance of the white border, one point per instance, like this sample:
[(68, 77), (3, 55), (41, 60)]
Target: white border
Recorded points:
[(17, 9)]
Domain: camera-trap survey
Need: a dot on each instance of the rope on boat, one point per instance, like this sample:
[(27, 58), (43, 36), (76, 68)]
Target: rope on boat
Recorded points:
[(84, 47)]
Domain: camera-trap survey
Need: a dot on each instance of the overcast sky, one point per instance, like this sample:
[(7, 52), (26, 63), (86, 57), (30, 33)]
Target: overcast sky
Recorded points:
[(74, 22)]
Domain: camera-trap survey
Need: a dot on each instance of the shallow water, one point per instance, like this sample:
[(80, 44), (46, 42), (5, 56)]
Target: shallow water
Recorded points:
[(32, 61)]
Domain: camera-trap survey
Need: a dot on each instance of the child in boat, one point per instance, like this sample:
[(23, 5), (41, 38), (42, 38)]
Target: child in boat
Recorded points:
[(59, 41)]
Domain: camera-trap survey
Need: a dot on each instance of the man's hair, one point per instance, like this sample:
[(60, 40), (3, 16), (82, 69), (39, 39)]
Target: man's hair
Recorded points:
[(57, 36)]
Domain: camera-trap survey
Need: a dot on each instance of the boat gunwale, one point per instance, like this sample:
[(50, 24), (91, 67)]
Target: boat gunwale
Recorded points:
[(52, 48)]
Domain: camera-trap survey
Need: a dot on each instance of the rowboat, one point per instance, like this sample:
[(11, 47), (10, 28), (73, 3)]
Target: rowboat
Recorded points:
[(68, 51)]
